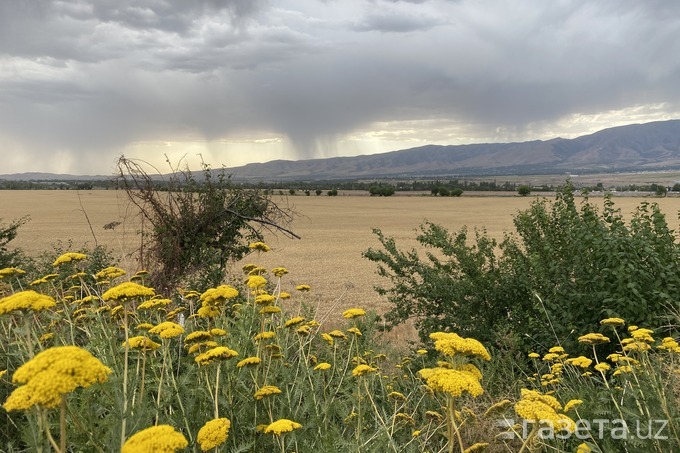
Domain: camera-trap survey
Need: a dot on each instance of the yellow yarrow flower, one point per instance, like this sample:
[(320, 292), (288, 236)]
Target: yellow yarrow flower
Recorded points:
[(265, 299), (128, 290), (282, 426), (26, 300), (69, 257), (259, 246), (142, 342), (602, 367), (353, 313), (109, 273), (572, 404), (541, 408), (355, 331), (453, 382), (157, 439), (593, 338), (215, 354), (580, 361), (11, 272), (264, 336), (249, 361), (616, 322), (167, 329), (256, 281), (153, 303), (53, 373), (219, 294), (198, 335), (218, 332), (337, 334), (266, 390), (303, 288), (451, 344), (208, 311), (294, 321), (279, 271), (213, 434), (363, 370), (322, 366), (583, 448)]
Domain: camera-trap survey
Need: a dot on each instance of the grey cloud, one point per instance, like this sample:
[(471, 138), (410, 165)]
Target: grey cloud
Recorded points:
[(87, 76)]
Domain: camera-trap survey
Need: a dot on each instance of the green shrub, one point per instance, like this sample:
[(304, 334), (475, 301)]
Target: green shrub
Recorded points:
[(565, 268)]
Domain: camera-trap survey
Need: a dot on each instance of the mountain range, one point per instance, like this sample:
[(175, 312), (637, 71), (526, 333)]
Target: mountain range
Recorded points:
[(637, 147), (651, 146)]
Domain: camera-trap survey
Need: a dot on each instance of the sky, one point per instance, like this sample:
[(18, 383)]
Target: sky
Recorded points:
[(228, 82)]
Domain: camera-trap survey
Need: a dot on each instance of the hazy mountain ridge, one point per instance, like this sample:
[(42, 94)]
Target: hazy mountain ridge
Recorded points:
[(650, 146), (644, 147)]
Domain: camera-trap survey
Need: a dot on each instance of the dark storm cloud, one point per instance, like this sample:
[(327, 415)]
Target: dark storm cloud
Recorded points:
[(92, 76)]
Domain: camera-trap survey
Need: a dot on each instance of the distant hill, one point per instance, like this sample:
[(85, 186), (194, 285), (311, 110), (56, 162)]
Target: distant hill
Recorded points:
[(638, 147)]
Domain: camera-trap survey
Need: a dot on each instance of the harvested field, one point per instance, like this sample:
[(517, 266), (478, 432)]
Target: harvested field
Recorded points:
[(334, 230)]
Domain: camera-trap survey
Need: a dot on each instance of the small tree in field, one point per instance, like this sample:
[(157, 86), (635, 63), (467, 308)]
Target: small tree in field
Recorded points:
[(197, 224), (524, 190)]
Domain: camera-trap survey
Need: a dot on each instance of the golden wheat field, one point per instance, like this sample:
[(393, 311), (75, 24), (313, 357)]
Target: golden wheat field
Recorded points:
[(334, 232)]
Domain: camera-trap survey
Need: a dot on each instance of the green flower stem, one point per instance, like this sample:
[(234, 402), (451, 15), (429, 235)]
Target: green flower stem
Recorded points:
[(62, 423), (453, 427), (123, 423)]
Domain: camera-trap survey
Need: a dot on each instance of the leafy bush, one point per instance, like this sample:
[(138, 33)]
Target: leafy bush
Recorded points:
[(8, 232), (565, 268)]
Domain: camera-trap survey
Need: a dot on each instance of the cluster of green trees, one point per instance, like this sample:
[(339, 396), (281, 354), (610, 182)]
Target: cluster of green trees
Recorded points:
[(565, 267)]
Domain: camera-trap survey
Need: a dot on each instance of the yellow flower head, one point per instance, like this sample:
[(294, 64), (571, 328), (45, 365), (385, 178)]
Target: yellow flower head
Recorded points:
[(259, 246), (541, 408), (583, 448), (303, 288), (128, 290), (26, 300), (208, 311), (616, 322), (52, 373), (355, 331), (337, 334), (198, 335), (322, 366), (248, 361), (214, 354), (603, 367), (643, 335), (583, 362), (154, 303), (294, 321), (279, 271), (167, 329), (533, 355), (556, 350), (593, 338), (11, 272), (451, 344), (264, 336), (68, 257), (213, 434), (218, 332), (256, 281), (109, 273), (284, 295), (266, 390), (157, 439), (282, 426), (362, 370), (452, 382), (572, 404), (265, 299), (142, 342), (353, 313), (218, 295)]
